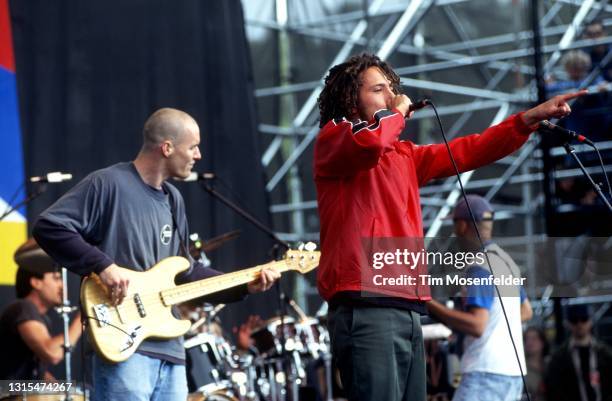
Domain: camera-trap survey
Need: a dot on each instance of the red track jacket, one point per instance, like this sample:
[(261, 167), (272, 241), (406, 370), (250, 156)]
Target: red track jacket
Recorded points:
[(368, 186)]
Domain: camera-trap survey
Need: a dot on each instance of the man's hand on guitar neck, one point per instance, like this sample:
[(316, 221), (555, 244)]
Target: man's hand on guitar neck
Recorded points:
[(117, 282), (265, 281)]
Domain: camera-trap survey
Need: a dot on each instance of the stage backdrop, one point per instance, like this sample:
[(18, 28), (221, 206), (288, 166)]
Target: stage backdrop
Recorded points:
[(13, 225), (89, 74)]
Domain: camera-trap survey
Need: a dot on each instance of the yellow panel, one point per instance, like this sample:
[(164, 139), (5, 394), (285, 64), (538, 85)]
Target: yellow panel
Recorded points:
[(12, 235)]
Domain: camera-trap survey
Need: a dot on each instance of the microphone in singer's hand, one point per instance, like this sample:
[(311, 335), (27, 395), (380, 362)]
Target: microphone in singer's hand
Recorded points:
[(565, 134), (420, 104)]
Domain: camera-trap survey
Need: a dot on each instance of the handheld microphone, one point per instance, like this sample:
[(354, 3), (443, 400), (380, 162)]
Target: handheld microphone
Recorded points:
[(566, 134), (193, 176), (53, 177), (418, 105)]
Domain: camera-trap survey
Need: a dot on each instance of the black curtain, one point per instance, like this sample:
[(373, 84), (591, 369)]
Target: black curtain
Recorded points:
[(89, 74)]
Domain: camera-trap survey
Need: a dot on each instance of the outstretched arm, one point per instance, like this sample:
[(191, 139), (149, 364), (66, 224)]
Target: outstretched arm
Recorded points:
[(494, 143)]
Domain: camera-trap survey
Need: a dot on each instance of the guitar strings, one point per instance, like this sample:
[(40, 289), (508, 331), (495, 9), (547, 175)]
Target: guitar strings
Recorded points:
[(178, 290), (129, 312), (128, 309)]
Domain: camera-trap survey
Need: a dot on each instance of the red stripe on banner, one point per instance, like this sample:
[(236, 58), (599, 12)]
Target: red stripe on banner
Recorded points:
[(6, 42)]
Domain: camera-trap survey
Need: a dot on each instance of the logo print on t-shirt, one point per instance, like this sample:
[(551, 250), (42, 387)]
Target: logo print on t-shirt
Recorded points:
[(166, 234)]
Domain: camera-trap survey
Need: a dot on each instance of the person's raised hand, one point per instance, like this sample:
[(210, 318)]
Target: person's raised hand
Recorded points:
[(556, 107)]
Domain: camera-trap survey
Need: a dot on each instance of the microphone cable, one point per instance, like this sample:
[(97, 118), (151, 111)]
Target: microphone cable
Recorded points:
[(603, 171), (475, 225)]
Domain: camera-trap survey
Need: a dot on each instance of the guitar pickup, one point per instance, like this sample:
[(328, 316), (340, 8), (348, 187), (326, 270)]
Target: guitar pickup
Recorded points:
[(139, 306), (102, 315)]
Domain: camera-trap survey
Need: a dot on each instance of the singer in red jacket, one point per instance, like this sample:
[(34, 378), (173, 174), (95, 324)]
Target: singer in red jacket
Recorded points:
[(368, 187)]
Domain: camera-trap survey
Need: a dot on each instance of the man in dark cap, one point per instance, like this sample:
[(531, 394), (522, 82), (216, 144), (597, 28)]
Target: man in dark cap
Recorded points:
[(26, 345), (489, 367), (581, 369)]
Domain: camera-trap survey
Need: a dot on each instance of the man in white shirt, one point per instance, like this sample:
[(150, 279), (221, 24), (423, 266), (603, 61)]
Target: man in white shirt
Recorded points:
[(489, 367)]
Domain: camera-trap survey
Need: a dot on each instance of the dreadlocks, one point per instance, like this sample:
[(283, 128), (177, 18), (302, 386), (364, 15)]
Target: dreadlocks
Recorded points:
[(340, 95)]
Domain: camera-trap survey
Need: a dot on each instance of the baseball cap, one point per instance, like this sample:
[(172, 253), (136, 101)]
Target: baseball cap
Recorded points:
[(481, 208), (30, 257)]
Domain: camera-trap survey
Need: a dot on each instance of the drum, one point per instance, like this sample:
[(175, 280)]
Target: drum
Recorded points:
[(313, 337), (221, 395), (208, 357), (268, 339)]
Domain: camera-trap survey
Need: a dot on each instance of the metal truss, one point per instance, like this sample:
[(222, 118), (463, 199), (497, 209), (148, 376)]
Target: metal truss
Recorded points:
[(497, 58)]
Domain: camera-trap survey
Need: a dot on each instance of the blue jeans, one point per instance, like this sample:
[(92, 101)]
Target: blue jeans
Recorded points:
[(140, 378), (481, 386)]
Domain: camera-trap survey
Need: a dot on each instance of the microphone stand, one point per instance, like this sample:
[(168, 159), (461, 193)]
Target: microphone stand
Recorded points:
[(40, 190), (65, 310), (277, 249), (571, 151), (246, 215)]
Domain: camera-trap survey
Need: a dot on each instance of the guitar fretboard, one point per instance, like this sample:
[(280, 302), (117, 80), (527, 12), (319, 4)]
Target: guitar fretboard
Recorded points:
[(186, 292)]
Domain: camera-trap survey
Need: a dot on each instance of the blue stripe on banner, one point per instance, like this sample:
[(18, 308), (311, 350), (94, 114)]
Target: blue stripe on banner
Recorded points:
[(11, 173)]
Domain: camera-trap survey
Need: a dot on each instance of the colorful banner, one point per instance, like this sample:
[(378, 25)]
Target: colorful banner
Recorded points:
[(13, 228)]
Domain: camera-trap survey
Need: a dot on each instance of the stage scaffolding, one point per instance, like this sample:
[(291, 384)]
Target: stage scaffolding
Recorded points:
[(473, 58)]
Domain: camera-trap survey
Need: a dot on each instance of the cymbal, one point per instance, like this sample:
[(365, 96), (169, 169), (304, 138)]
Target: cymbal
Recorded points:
[(216, 242), (272, 323), (30, 256)]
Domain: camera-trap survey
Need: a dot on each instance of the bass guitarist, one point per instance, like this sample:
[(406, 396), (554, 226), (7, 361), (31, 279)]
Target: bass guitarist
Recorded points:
[(129, 215)]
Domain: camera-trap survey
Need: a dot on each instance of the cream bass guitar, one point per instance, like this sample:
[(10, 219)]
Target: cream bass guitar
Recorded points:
[(116, 331)]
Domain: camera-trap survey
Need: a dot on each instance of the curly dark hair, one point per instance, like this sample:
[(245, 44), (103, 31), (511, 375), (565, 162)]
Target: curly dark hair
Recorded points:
[(340, 95)]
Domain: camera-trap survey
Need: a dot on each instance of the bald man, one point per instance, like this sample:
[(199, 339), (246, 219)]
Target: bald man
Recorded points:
[(128, 215)]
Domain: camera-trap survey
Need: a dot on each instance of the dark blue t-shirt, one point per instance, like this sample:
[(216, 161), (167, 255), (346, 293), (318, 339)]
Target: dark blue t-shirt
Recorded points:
[(113, 216)]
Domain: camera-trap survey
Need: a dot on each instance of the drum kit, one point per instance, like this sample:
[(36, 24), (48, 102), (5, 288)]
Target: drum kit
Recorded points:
[(286, 352)]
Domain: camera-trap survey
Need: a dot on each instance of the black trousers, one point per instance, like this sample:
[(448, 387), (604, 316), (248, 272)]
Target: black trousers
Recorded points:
[(379, 352)]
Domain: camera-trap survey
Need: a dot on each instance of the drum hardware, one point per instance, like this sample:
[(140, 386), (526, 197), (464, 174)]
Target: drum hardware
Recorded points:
[(284, 373), (266, 374), (75, 394), (65, 310), (207, 357), (203, 318)]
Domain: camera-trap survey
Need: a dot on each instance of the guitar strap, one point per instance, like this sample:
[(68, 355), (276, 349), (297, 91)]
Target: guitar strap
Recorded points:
[(183, 251)]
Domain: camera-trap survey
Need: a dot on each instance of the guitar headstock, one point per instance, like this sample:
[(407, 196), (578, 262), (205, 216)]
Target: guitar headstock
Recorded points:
[(304, 259)]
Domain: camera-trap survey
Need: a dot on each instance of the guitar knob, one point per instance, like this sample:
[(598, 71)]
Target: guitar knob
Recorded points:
[(310, 246)]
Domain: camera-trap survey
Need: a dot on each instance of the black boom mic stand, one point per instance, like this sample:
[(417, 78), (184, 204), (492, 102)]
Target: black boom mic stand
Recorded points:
[(277, 250), (572, 152)]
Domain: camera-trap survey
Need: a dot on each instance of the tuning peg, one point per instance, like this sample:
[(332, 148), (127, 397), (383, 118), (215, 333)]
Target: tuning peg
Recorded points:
[(301, 246), (310, 246)]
